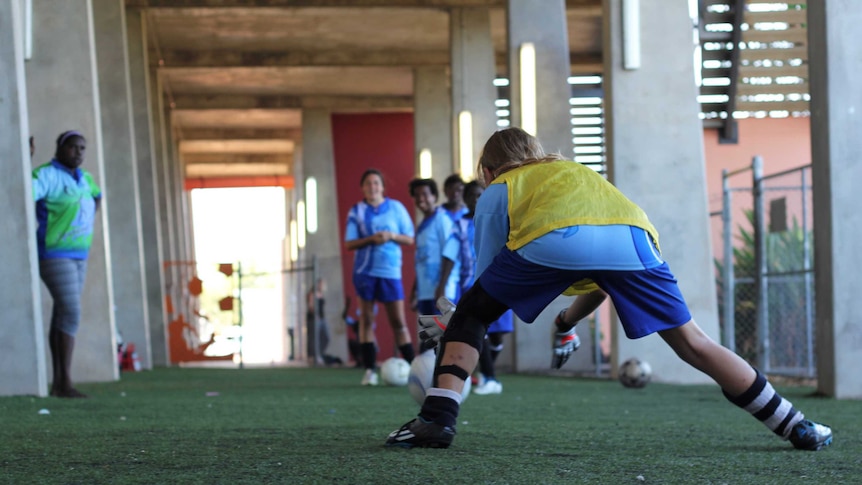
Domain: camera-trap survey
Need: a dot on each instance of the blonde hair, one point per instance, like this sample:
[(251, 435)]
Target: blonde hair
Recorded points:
[(512, 148)]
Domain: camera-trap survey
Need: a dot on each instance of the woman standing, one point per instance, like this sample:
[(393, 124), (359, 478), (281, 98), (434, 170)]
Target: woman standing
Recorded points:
[(67, 199), (377, 227)]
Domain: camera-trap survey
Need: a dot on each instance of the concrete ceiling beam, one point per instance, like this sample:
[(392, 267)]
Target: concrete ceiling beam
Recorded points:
[(570, 4), (183, 59), (243, 102), (237, 158), (227, 59), (203, 170), (193, 133)]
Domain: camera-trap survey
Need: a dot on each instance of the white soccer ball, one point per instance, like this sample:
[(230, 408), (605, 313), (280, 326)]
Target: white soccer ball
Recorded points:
[(421, 375), (395, 371), (635, 373)]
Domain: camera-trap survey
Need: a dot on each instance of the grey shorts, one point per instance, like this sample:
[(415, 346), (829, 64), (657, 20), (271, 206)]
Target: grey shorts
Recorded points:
[(64, 279)]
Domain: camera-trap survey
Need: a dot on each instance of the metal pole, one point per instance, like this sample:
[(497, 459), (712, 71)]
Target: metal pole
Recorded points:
[(806, 266), (597, 344), (239, 308), (761, 264), (728, 284), (314, 276)]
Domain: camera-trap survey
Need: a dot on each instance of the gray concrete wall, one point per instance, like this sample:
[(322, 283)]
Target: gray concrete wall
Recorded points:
[(432, 111), (543, 23), (147, 187), (835, 57), (23, 370), (473, 73), (318, 161), (121, 173), (62, 89), (656, 157)]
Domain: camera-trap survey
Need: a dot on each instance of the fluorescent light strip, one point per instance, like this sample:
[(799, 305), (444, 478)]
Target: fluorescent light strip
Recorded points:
[(425, 164), (465, 144), (528, 88), (311, 210)]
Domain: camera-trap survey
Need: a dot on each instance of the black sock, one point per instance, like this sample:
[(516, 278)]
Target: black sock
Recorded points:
[(761, 400), (407, 352), (441, 410), (486, 361), (369, 355)]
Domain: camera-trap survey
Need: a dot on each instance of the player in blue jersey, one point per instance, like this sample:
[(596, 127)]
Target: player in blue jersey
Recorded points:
[(437, 263), (492, 345), (67, 199), (545, 226), (453, 189), (377, 227)]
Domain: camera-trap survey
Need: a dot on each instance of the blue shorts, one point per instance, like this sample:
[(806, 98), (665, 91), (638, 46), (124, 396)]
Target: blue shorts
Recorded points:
[(504, 324), (427, 307), (384, 290), (646, 300)]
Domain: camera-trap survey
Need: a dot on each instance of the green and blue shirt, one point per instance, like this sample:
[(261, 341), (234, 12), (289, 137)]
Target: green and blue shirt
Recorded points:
[(65, 210)]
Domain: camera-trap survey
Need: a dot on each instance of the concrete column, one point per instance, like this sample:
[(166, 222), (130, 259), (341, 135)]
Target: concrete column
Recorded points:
[(23, 369), (542, 23), (834, 55), (473, 91), (660, 165), (319, 162), (177, 192), (147, 187), (295, 280), (63, 93), (432, 115), (121, 174)]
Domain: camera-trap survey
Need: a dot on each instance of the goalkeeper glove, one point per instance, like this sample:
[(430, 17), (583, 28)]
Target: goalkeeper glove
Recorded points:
[(564, 344)]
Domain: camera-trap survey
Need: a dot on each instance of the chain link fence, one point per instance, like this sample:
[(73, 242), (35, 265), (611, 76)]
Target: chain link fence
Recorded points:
[(765, 268)]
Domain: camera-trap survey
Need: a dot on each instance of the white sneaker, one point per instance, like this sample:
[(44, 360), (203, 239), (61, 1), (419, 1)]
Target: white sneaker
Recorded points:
[(491, 386), (370, 378)]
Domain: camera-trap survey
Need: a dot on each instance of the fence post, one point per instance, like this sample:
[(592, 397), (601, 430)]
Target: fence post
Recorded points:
[(315, 275), (760, 263), (728, 284), (806, 267)]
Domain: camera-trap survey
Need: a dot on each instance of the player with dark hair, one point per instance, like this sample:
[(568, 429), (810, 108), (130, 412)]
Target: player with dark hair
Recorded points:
[(377, 227), (67, 199), (453, 189), (544, 226), (437, 262)]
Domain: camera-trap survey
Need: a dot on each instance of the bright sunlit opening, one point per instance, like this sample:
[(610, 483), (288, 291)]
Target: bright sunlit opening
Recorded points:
[(245, 226)]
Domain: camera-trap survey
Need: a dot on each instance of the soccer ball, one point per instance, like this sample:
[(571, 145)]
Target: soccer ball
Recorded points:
[(421, 375), (395, 371), (635, 373)]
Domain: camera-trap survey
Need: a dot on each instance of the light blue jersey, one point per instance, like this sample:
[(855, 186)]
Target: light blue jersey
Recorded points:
[(436, 239), (364, 220), (610, 247)]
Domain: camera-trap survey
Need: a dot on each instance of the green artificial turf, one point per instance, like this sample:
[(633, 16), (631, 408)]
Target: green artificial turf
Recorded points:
[(298, 426)]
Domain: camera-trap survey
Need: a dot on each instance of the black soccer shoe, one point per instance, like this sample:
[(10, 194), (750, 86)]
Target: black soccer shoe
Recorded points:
[(419, 433), (807, 435)]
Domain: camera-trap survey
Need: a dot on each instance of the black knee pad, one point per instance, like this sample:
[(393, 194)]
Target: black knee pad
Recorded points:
[(474, 313)]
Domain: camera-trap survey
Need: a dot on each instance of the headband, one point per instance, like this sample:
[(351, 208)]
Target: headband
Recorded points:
[(66, 135)]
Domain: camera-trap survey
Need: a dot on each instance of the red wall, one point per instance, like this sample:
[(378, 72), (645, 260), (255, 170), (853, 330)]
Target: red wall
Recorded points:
[(383, 141)]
